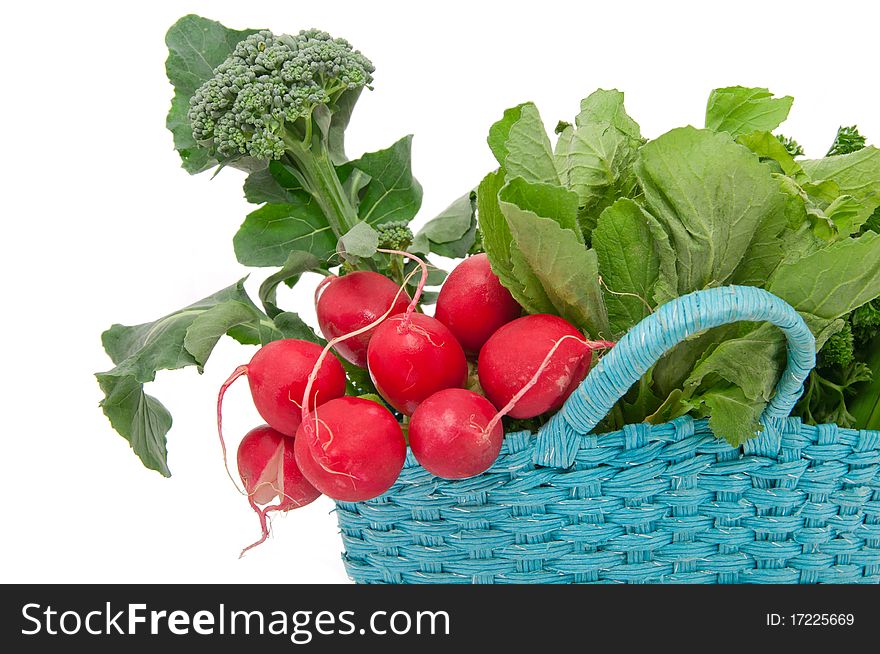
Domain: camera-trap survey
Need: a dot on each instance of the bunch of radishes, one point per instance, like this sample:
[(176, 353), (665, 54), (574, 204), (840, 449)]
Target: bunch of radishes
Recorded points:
[(318, 440)]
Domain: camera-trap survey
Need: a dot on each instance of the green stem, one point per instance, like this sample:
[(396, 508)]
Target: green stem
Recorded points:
[(319, 175)]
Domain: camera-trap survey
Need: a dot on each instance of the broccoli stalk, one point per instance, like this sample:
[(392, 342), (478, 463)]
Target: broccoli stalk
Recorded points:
[(276, 98)]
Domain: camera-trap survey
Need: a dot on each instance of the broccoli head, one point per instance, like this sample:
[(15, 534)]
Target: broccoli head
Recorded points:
[(269, 87), (395, 235), (838, 350), (866, 322), (274, 98)]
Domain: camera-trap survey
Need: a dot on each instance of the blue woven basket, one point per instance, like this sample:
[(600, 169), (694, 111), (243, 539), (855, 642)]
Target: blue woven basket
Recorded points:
[(649, 504)]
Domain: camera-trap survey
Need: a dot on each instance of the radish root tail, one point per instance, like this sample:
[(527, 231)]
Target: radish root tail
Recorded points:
[(238, 372), (264, 523)]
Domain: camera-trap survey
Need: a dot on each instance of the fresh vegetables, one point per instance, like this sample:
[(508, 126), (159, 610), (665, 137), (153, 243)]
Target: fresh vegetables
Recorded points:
[(514, 353), (453, 435), (604, 226), (586, 236), (277, 375), (410, 357), (473, 303), (317, 209), (275, 98), (348, 303), (837, 390), (268, 470), (350, 449)]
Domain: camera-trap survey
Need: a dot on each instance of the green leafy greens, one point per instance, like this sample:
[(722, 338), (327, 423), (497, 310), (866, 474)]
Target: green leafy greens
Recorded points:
[(605, 226)]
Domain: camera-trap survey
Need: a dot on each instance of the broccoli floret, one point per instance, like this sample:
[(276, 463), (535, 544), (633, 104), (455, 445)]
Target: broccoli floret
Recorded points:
[(848, 140), (793, 147), (838, 350), (866, 322), (273, 98), (395, 235)]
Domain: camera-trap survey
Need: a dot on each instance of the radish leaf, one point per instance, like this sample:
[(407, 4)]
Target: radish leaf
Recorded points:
[(629, 264), (740, 110)]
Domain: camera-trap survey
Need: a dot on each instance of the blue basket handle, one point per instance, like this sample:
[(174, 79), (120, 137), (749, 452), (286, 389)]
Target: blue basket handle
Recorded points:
[(645, 343)]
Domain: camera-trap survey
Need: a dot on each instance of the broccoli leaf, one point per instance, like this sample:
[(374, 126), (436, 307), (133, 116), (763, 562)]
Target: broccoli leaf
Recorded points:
[(274, 184), (360, 241), (290, 325), (207, 328), (710, 195), (339, 120), (196, 46), (139, 418), (520, 143), (270, 233), (452, 232), (740, 110), (297, 263), (139, 351), (628, 264), (392, 193), (381, 182)]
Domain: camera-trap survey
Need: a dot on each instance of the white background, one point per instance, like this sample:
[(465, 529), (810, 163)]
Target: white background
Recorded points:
[(101, 225)]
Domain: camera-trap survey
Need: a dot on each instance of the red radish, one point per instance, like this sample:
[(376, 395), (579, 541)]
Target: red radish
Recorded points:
[(351, 449), (268, 470), (456, 433), (474, 304), (267, 459), (278, 374), (449, 437), (514, 353), (411, 357), (345, 304)]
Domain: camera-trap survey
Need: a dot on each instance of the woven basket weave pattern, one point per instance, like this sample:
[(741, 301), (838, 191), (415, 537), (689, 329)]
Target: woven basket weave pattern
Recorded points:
[(665, 503), (649, 504)]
